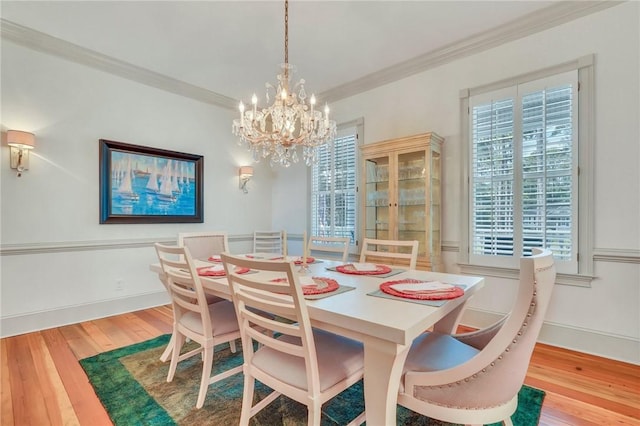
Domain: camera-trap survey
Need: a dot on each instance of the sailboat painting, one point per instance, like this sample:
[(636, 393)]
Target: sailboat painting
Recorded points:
[(149, 185)]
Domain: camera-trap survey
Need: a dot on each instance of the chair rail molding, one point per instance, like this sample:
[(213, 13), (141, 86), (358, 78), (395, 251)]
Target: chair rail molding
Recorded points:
[(69, 246), (620, 255)]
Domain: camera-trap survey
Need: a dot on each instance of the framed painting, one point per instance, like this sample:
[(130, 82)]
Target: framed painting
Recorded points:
[(140, 184)]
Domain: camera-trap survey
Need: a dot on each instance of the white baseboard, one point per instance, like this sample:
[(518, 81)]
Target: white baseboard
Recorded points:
[(592, 342), (36, 321)]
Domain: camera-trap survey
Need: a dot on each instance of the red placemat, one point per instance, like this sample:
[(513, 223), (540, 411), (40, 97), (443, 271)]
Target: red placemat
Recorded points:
[(215, 258), (450, 293), (350, 269), (331, 285), (206, 271), (299, 260)]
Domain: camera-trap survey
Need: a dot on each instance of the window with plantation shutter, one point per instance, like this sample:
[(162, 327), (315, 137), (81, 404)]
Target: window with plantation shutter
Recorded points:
[(333, 187), (523, 179)]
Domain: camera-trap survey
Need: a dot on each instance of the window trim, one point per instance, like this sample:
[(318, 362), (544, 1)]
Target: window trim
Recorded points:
[(586, 114), (358, 124)]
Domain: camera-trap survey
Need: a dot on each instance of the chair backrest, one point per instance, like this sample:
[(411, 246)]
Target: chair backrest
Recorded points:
[(497, 372), (392, 252), (184, 285), (204, 244), (270, 242), (337, 247), (282, 298)]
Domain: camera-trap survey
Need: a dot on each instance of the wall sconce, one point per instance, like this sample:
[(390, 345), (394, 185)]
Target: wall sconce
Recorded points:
[(245, 174), (20, 143)]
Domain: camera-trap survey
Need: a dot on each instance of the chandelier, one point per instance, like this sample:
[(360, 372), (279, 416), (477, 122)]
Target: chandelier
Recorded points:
[(290, 122)]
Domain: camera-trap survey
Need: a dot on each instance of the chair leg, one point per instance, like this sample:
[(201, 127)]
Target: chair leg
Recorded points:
[(315, 412), (167, 352), (362, 417), (507, 421), (247, 400), (207, 364), (232, 346), (175, 354)]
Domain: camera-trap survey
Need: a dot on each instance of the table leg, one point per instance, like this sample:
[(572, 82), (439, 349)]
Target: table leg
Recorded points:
[(449, 324), (383, 363)]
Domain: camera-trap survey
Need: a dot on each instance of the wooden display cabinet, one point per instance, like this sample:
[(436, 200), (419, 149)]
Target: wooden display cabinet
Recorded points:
[(401, 193)]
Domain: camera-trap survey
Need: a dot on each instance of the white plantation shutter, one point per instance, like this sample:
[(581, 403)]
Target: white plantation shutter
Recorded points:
[(523, 180), (333, 188), (493, 175)]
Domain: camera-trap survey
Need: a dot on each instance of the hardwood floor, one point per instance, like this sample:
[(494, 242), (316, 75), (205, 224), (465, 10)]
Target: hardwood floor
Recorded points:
[(42, 382)]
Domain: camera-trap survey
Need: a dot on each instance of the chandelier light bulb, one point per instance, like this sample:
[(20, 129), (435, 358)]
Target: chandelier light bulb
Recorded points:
[(241, 108)]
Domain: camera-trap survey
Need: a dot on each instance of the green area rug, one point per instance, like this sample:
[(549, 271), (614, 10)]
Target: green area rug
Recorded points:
[(131, 383)]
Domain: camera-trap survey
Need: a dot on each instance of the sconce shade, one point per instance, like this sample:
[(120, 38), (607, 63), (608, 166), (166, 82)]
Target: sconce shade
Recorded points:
[(246, 172), (20, 139)]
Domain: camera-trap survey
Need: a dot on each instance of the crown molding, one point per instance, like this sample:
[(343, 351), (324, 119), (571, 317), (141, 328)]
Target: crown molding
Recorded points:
[(45, 43), (532, 23)]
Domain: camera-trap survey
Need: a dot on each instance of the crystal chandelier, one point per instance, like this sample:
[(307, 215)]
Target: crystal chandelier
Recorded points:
[(290, 122)]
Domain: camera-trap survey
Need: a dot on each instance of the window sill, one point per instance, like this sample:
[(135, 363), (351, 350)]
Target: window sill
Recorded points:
[(575, 280)]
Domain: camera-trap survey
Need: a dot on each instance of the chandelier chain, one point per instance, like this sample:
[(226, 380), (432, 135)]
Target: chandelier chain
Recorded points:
[(286, 31)]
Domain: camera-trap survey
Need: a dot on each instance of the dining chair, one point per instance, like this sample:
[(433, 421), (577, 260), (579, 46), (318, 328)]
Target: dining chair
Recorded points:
[(392, 252), (203, 245), (335, 247), (270, 242), (474, 378), (308, 365), (194, 318)]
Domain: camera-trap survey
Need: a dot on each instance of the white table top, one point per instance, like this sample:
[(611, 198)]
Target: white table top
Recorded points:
[(357, 313)]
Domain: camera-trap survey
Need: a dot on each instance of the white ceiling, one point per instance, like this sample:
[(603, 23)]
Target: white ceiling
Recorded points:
[(234, 47)]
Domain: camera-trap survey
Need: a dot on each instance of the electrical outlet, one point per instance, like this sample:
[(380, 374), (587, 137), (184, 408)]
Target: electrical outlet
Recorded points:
[(119, 285)]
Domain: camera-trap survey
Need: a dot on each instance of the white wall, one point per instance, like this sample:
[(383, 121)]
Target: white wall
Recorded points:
[(603, 319), (58, 264)]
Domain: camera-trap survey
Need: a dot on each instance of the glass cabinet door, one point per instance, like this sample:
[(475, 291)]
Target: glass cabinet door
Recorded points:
[(377, 198), (411, 210), (435, 208)]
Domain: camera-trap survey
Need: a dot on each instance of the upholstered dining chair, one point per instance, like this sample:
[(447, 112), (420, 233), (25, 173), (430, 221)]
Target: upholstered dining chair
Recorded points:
[(474, 378), (334, 247), (194, 318), (270, 242), (203, 245), (392, 252), (308, 365)]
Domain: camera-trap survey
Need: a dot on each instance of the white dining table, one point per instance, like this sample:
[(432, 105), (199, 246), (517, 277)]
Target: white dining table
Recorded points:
[(385, 326)]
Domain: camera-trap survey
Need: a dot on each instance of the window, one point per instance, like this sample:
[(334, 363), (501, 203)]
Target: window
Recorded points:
[(524, 189), (334, 186)]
